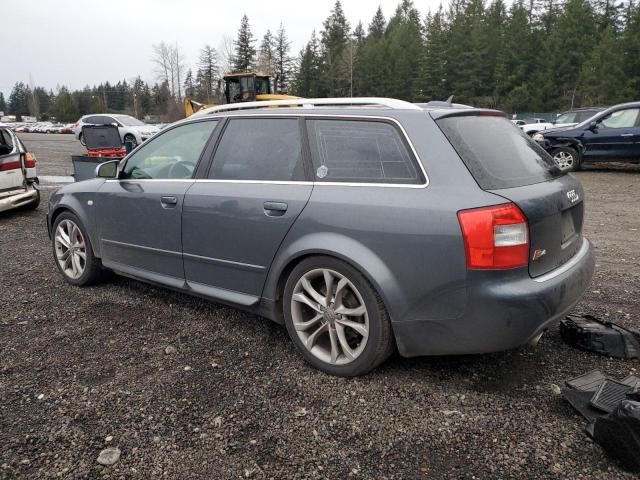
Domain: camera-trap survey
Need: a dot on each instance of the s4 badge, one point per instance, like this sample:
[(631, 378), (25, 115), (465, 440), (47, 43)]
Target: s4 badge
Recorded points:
[(538, 253)]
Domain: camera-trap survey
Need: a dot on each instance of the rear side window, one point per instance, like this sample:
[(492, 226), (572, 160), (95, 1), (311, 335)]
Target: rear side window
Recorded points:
[(259, 149), (497, 153), (360, 151), (6, 143)]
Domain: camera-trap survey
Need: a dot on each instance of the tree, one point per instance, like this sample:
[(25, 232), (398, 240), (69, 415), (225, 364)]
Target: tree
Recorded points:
[(334, 38), (3, 103), (207, 75), (405, 48), (565, 50), (378, 24), (19, 100), (64, 108), (631, 53), (434, 81), (189, 86), (244, 58), (266, 54), (602, 76), (283, 63), (306, 82), (170, 64)]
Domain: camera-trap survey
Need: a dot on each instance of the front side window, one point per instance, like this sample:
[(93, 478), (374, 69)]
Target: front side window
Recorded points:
[(259, 149), (173, 154), (620, 119), (359, 151)]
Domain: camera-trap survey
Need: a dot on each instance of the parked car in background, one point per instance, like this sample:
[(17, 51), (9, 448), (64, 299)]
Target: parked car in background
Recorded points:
[(54, 128), (363, 226), (611, 135), (18, 176), (565, 119), (131, 129)]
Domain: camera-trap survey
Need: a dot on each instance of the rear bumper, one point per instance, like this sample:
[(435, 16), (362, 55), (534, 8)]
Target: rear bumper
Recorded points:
[(20, 198), (499, 312)]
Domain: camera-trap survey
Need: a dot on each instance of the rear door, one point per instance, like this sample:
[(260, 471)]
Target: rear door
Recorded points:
[(615, 136), (139, 215), (235, 220), (509, 164)]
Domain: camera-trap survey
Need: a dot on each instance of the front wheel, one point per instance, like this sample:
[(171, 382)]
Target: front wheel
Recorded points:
[(73, 253), (567, 159), (336, 318)]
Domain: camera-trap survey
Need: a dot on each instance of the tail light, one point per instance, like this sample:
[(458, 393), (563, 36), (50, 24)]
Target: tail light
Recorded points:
[(30, 161), (495, 237)]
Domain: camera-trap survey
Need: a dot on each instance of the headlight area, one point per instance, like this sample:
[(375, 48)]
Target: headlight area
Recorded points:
[(538, 137)]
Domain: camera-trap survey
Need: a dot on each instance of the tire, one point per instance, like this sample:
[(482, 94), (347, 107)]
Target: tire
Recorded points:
[(318, 331), (567, 158), (81, 139), (130, 138), (88, 271)]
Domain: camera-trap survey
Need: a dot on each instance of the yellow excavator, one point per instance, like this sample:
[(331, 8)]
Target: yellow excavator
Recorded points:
[(241, 87)]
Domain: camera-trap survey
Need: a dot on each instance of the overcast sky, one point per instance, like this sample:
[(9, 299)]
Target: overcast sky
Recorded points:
[(80, 42)]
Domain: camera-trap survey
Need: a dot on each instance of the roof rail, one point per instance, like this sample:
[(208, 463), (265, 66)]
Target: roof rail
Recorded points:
[(312, 103)]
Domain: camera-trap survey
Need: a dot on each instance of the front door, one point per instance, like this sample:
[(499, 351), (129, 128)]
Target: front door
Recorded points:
[(615, 136), (139, 214), (235, 221)]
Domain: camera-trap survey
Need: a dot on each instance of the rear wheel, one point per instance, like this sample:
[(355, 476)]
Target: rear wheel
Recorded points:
[(73, 252), (567, 158), (132, 139), (336, 318), (81, 138)]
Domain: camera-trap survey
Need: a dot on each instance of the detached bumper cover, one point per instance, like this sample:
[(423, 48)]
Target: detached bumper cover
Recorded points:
[(498, 311), (20, 198)]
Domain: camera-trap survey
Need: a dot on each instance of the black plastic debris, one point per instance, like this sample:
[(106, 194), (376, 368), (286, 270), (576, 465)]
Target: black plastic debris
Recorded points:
[(595, 335), (619, 433), (612, 408)]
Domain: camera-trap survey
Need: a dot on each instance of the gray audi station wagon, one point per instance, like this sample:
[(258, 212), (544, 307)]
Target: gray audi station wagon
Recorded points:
[(363, 225)]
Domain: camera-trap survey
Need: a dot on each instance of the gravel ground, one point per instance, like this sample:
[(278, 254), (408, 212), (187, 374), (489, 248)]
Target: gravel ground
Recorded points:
[(86, 369)]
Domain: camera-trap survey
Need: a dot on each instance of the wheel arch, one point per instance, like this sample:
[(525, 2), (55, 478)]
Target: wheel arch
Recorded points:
[(82, 216), (345, 249)]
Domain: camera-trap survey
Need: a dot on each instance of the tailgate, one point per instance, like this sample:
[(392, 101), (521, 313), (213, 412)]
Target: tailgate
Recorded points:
[(555, 212)]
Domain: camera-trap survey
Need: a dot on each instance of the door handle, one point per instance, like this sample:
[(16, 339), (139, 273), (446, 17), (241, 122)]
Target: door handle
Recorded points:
[(275, 209), (627, 135), (169, 201)]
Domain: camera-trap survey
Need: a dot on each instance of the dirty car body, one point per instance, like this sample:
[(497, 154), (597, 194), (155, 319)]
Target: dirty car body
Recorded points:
[(466, 254)]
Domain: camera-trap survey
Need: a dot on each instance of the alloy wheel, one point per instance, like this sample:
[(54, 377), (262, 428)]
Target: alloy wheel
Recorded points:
[(71, 250), (330, 316), (564, 160)]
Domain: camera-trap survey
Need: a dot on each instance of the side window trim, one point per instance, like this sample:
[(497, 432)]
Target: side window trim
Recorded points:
[(303, 117), (124, 161)]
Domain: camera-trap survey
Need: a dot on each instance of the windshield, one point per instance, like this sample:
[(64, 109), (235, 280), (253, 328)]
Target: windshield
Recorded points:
[(129, 121), (569, 117), (497, 153), (241, 89)]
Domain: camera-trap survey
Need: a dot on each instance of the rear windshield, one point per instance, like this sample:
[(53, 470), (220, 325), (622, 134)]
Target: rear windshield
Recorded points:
[(497, 153)]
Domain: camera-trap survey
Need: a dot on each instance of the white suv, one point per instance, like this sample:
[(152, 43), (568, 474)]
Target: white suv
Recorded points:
[(131, 129), (18, 178)]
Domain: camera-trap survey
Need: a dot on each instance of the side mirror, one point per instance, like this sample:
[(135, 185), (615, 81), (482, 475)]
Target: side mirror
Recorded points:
[(593, 126), (108, 169)]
